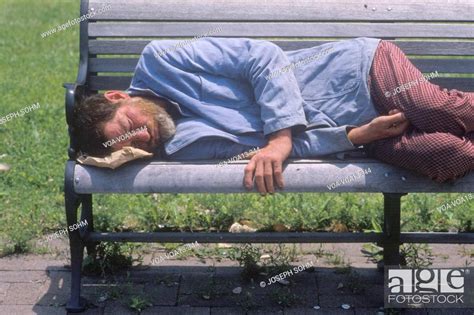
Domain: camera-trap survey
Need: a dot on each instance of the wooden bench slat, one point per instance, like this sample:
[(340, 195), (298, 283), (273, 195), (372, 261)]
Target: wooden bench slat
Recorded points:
[(271, 29), (425, 65), (285, 10), (122, 83), (206, 177), (409, 47)]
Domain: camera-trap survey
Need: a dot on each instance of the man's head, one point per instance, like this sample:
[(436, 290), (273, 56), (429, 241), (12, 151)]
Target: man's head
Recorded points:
[(131, 121)]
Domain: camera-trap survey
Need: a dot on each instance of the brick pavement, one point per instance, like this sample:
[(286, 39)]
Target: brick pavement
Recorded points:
[(39, 284)]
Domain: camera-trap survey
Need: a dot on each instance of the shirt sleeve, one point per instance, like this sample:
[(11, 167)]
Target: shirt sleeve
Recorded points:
[(321, 141), (254, 61), (210, 148)]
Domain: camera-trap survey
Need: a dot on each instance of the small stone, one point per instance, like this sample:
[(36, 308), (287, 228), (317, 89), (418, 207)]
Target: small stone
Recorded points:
[(4, 167), (206, 297), (317, 307), (345, 306), (386, 174), (283, 282), (389, 9), (239, 228), (374, 9), (340, 286), (280, 227), (380, 313), (103, 298), (237, 290), (404, 178)]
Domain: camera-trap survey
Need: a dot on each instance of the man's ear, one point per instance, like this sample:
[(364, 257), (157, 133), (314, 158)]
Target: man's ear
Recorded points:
[(116, 96)]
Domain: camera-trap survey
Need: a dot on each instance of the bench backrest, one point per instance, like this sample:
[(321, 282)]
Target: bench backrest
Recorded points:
[(112, 40)]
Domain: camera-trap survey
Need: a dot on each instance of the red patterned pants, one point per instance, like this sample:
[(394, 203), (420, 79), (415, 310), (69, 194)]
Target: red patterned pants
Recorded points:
[(440, 140)]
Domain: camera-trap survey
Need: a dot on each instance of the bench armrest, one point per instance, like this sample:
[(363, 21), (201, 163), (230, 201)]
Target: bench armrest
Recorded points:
[(74, 93)]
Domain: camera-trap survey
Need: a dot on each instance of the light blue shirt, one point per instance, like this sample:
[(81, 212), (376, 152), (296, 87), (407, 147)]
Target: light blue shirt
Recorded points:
[(233, 92)]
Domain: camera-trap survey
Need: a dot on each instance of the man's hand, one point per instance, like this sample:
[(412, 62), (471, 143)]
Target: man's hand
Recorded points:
[(267, 164), (380, 128)]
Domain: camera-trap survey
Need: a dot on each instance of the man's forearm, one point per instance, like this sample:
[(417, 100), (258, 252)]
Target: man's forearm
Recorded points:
[(267, 164), (382, 127), (359, 135), (281, 139)]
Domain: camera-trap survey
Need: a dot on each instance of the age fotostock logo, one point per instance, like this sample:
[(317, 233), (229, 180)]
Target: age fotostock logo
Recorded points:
[(429, 287)]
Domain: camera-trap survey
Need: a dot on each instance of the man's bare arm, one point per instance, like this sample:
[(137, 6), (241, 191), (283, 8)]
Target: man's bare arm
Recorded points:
[(266, 166), (379, 128)]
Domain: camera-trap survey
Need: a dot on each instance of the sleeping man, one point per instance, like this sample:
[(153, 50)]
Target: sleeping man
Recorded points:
[(219, 97)]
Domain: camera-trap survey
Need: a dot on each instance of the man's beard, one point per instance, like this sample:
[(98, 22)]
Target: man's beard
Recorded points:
[(156, 108)]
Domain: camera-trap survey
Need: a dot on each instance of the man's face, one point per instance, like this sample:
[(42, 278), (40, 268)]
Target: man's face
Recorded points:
[(134, 114)]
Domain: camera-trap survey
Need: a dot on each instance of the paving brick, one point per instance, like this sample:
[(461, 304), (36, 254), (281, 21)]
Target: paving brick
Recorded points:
[(116, 308), (370, 297), (31, 310), (3, 291), (364, 301), (190, 283), (299, 311), (94, 311), (162, 294), (451, 311), (167, 310), (23, 276), (321, 311), (227, 311), (33, 262), (266, 311), (51, 299), (355, 281), (215, 300), (58, 282), (368, 311), (149, 275), (22, 293), (94, 292), (414, 311)]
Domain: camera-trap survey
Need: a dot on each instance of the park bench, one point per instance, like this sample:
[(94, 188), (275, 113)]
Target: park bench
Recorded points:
[(110, 44)]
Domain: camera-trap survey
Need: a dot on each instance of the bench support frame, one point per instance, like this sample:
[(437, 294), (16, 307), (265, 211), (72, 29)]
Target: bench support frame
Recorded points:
[(85, 237)]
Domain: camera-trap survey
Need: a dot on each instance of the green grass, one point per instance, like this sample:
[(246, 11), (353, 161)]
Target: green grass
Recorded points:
[(32, 69)]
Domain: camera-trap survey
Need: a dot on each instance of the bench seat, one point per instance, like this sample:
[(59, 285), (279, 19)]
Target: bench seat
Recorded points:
[(300, 176)]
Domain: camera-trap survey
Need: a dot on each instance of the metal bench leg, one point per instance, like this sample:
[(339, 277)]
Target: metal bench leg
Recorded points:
[(86, 214), (391, 229), (72, 200)]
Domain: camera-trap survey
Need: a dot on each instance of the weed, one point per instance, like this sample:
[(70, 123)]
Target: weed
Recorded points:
[(411, 255), (336, 259), (467, 252), (114, 292), (139, 303), (283, 297), (109, 258), (416, 255), (247, 302), (354, 283), (208, 290), (280, 259), (248, 257)]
